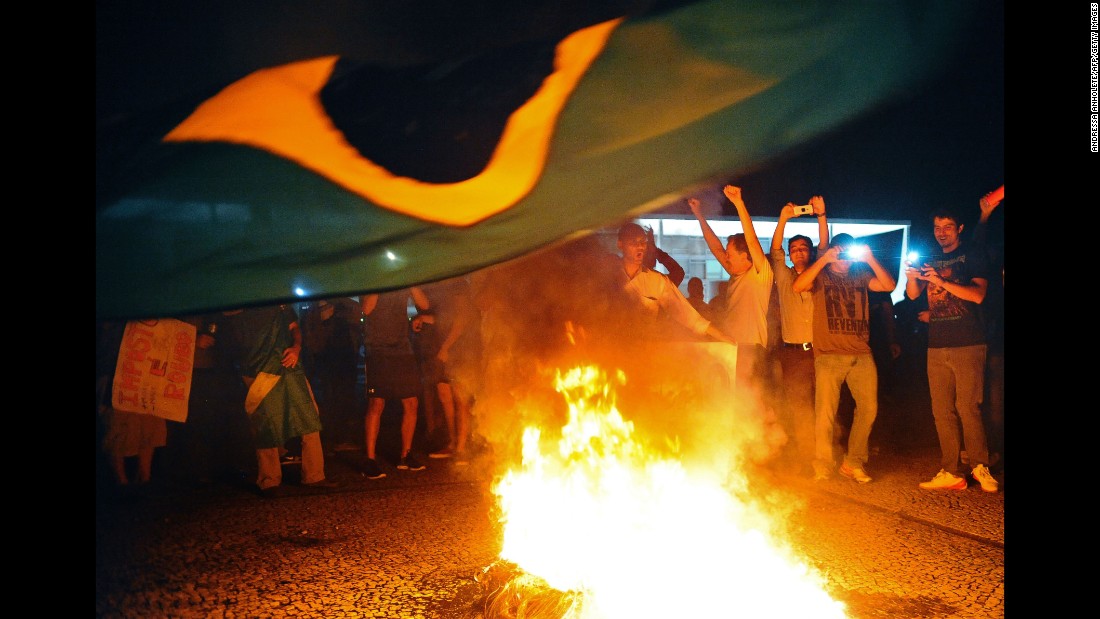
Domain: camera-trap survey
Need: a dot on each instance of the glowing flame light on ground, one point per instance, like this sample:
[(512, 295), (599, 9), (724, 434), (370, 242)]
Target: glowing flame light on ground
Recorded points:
[(637, 535)]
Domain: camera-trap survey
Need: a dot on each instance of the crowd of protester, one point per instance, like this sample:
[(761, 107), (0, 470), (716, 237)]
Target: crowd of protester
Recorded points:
[(819, 342)]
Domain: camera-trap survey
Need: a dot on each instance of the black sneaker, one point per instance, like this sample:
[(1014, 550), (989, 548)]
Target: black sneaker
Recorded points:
[(371, 470), (410, 463), (273, 492), (325, 483)]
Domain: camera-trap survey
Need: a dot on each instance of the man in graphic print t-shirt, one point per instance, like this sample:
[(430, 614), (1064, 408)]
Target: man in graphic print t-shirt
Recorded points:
[(956, 281), (839, 281)]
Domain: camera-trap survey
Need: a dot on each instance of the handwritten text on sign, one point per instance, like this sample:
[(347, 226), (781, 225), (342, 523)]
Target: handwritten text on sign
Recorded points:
[(153, 374)]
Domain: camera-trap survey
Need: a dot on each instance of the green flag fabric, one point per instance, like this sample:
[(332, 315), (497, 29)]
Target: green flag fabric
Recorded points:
[(329, 149)]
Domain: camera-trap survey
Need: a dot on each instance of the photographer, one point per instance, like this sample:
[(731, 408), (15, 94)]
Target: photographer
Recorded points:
[(796, 318), (956, 281), (839, 281)]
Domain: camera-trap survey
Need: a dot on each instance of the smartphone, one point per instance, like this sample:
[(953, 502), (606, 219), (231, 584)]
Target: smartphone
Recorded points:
[(805, 209), (853, 252)]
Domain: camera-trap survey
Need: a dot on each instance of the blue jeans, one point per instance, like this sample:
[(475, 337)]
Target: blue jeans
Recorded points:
[(956, 380), (830, 373)]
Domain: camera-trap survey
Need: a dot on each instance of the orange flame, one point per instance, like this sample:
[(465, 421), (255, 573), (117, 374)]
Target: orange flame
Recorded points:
[(636, 534)]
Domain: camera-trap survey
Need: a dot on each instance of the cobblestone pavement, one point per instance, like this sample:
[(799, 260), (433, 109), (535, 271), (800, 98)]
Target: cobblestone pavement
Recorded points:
[(412, 545)]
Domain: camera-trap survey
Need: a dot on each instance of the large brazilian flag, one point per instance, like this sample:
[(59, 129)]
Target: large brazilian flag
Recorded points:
[(246, 150)]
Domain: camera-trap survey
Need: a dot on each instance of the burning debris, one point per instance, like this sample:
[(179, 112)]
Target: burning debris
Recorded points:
[(605, 526), (511, 593)]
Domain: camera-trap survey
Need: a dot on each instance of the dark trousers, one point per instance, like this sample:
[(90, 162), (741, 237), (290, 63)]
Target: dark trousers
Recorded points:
[(797, 390)]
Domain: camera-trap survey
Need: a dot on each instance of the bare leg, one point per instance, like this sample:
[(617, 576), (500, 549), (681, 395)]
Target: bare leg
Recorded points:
[(431, 414), (145, 464), (408, 424), (461, 417), (118, 467), (447, 402), (373, 423)]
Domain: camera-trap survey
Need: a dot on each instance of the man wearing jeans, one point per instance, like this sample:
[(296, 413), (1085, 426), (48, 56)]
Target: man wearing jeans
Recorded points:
[(839, 280), (956, 281)]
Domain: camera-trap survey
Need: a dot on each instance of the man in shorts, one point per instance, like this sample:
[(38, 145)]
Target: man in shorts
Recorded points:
[(391, 370)]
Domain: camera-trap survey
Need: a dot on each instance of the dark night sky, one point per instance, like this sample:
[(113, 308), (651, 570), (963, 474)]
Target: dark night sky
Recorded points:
[(942, 146)]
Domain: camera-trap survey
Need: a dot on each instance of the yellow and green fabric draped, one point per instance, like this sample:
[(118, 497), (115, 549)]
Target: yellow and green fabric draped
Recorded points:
[(330, 148)]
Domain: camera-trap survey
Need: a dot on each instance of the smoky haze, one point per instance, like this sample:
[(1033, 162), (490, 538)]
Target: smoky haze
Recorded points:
[(563, 307)]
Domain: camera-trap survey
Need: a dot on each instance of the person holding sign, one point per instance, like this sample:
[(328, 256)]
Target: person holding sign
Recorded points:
[(137, 387)]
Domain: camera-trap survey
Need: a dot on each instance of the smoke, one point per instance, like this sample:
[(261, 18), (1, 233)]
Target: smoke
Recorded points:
[(563, 307)]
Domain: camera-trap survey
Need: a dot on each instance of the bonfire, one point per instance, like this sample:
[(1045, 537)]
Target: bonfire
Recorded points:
[(599, 525)]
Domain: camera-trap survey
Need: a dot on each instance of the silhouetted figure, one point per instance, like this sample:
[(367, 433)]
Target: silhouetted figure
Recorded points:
[(331, 336), (454, 361), (392, 371)]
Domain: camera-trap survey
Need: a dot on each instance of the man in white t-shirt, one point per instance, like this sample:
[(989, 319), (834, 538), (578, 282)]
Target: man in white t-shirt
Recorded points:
[(652, 292), (748, 294)]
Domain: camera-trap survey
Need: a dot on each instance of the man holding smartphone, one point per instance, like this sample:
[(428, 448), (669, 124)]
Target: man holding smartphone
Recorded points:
[(796, 318), (839, 281), (956, 281)]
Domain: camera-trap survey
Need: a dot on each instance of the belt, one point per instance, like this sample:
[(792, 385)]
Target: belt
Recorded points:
[(803, 346)]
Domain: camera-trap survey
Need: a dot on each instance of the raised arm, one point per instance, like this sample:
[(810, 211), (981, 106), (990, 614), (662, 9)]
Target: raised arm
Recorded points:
[(822, 223), (713, 242), (676, 272), (656, 254), (785, 213), (753, 241), (883, 281), (988, 203), (805, 279)]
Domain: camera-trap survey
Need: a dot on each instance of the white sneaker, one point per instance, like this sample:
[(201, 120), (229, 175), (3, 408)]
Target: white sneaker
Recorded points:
[(855, 472), (985, 478), (944, 481)]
